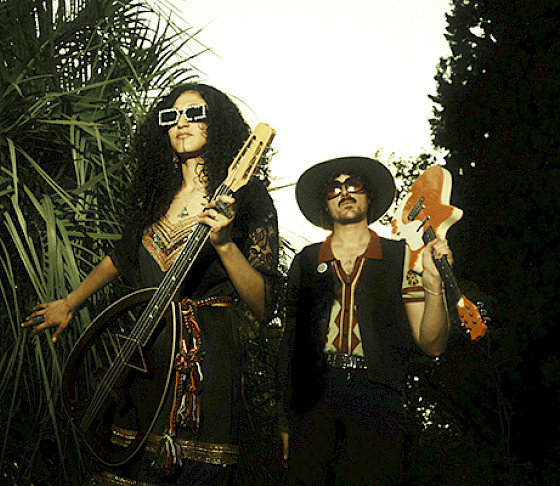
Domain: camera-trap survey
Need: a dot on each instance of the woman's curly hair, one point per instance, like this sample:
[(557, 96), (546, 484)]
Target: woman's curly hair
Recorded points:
[(156, 170)]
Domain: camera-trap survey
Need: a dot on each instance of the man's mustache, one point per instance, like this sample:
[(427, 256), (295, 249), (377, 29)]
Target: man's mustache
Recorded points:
[(349, 198)]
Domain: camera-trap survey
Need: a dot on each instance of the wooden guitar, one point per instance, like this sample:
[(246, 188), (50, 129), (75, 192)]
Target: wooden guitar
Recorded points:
[(423, 215), (110, 377)]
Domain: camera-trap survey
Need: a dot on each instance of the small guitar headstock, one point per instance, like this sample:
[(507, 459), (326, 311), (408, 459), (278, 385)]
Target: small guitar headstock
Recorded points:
[(246, 161), (472, 319)]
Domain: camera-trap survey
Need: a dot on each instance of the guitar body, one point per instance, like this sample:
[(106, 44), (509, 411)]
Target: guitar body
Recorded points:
[(422, 216), (130, 390), (432, 190), (120, 369)]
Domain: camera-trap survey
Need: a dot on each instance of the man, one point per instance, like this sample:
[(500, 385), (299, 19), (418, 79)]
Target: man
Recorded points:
[(354, 314)]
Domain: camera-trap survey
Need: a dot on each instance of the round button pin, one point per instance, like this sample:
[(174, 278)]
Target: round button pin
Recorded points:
[(322, 267)]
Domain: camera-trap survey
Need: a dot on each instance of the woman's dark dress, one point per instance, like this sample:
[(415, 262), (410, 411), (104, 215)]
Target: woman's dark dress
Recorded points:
[(255, 233)]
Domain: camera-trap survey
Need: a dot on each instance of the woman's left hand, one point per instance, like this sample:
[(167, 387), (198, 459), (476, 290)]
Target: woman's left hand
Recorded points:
[(219, 215)]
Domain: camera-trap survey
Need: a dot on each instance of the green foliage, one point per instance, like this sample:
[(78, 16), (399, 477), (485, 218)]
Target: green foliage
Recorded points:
[(74, 76), (497, 115)]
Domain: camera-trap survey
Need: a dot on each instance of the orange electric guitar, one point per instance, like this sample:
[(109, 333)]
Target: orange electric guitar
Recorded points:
[(110, 378), (423, 215)]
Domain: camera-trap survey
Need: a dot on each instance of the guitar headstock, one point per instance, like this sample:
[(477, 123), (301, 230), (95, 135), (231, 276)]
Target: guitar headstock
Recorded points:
[(472, 319), (246, 161)]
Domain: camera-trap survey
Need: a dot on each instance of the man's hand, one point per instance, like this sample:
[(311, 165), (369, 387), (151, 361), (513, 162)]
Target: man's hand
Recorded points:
[(435, 249)]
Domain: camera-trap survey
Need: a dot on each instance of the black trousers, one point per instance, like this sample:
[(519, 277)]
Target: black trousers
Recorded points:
[(353, 436)]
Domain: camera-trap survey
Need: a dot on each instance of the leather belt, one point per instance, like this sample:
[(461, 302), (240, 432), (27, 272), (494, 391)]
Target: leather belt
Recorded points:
[(346, 361)]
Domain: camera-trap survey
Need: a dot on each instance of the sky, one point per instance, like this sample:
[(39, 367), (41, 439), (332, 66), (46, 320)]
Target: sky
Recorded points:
[(332, 77)]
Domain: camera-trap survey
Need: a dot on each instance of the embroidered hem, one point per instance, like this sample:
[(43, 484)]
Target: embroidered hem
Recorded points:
[(107, 478), (194, 450)]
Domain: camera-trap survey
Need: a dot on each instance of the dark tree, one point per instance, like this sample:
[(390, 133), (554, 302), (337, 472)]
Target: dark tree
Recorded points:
[(497, 114)]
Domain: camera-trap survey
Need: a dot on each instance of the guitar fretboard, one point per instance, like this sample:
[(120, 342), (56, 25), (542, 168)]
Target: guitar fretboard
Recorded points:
[(154, 311), (444, 268)]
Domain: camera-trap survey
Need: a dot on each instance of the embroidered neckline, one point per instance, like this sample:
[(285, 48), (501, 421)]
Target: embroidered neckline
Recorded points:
[(163, 240)]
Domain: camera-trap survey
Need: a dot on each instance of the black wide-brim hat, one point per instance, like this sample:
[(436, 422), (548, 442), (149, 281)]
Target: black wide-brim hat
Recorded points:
[(377, 179)]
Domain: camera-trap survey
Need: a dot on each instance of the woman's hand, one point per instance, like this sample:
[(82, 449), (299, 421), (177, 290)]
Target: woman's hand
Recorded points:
[(49, 314), (248, 282), (219, 215), (59, 312)]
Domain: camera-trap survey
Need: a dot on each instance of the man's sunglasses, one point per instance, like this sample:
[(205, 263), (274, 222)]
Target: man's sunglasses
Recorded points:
[(170, 116), (353, 185)]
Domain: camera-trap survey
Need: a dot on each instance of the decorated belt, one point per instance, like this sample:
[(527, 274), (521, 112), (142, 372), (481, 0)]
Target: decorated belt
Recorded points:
[(194, 450), (346, 361), (216, 301)]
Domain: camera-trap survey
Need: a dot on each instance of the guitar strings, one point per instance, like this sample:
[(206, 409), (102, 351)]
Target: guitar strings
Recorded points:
[(143, 329), (161, 296)]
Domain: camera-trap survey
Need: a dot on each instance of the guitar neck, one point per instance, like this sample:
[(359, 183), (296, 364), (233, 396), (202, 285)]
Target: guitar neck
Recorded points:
[(445, 271), (176, 274), (239, 173)]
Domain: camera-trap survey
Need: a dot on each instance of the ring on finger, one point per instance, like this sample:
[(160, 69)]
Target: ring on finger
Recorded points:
[(223, 208), (38, 319)]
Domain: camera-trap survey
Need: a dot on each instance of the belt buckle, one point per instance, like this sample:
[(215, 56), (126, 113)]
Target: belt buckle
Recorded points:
[(348, 362)]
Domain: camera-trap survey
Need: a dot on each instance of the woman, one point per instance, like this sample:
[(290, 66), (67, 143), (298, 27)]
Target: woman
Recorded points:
[(180, 155)]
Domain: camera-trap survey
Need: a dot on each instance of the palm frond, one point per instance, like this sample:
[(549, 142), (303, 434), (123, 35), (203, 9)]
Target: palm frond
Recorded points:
[(74, 77)]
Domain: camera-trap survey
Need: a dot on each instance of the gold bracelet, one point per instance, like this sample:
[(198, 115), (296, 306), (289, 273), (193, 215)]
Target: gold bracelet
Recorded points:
[(433, 293)]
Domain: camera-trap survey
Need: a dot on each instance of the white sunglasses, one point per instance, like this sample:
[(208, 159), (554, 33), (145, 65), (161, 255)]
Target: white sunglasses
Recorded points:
[(170, 116)]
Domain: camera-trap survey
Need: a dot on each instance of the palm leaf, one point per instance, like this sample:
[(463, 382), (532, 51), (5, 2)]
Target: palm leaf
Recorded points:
[(74, 75)]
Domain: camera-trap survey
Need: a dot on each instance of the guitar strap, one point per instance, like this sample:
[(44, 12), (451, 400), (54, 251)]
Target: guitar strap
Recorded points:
[(185, 410)]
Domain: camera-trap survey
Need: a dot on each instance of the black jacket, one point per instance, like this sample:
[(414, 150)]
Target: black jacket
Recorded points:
[(386, 335)]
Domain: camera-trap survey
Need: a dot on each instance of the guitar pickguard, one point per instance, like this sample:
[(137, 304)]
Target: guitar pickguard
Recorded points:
[(432, 189), (410, 231)]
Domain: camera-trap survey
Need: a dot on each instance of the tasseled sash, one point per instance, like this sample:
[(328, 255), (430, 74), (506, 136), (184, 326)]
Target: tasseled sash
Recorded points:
[(185, 411)]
